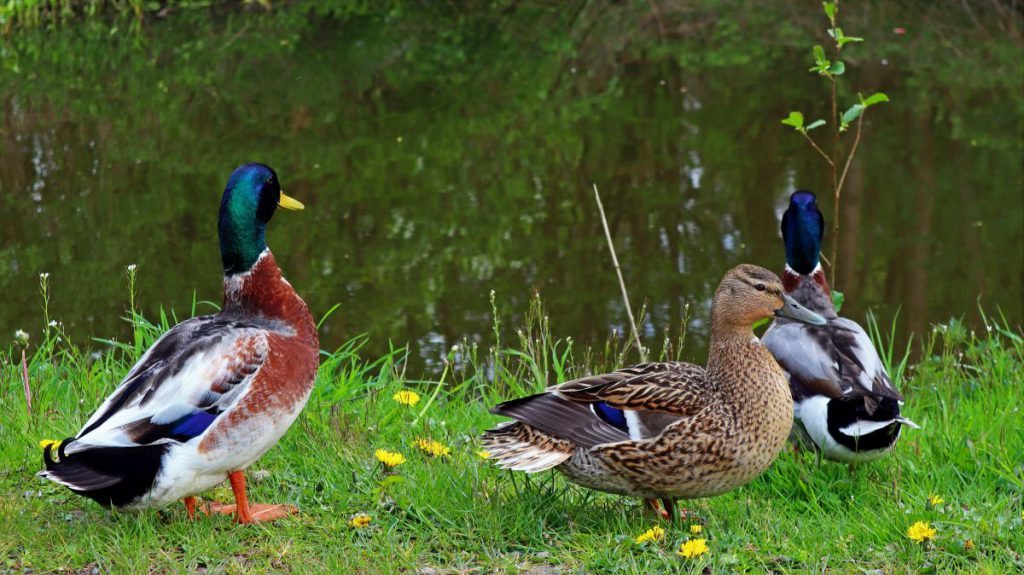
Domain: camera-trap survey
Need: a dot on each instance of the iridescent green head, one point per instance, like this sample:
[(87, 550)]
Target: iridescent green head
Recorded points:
[(249, 201)]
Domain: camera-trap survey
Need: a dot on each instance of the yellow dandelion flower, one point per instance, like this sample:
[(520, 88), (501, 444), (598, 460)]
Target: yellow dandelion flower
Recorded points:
[(693, 548), (483, 454), (359, 520), (935, 500), (389, 458), (968, 545), (921, 532), (406, 397), (696, 529), (44, 443), (653, 534), (433, 448)]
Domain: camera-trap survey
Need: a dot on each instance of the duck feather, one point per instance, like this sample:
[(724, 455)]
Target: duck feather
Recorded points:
[(833, 360), (191, 375), (674, 388)]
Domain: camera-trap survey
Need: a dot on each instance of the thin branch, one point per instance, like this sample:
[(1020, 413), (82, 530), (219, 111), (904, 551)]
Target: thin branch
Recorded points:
[(618, 272), (836, 49), (835, 183), (822, 256), (820, 151), (839, 191), (853, 150)]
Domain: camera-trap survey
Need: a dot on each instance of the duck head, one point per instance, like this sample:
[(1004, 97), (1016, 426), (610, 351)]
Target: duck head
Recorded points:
[(749, 293), (250, 199), (802, 229)]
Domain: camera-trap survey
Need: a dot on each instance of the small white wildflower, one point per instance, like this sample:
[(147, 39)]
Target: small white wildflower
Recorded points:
[(455, 348), (131, 267), (44, 276), (21, 337), (53, 323)]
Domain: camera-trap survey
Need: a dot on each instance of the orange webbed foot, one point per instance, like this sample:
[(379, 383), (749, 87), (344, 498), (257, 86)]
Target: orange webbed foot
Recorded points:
[(245, 512), (255, 512), (266, 512)]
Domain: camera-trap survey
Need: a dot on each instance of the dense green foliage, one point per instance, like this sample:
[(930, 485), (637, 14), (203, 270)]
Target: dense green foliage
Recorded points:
[(446, 152), (459, 514)]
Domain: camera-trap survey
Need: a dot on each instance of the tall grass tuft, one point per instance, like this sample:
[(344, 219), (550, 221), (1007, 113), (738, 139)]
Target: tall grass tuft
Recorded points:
[(446, 509)]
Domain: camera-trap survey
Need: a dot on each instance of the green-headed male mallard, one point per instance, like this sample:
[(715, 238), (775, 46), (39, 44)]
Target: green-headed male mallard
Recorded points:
[(845, 405), (213, 393), (667, 430)]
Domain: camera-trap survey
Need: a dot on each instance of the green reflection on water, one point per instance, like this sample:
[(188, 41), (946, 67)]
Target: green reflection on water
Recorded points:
[(443, 156)]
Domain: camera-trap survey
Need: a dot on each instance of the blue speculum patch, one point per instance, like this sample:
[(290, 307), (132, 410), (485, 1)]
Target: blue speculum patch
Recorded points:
[(193, 425), (610, 414)]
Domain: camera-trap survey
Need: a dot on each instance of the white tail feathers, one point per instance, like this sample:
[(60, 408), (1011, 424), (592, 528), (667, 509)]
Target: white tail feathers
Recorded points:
[(519, 447)]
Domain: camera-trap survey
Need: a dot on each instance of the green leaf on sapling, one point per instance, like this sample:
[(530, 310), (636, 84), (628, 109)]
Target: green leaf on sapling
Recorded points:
[(837, 300), (853, 113), (830, 10), (795, 119), (819, 55), (876, 98)]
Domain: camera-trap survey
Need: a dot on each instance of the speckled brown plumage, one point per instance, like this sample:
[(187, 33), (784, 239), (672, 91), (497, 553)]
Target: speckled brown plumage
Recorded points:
[(689, 432)]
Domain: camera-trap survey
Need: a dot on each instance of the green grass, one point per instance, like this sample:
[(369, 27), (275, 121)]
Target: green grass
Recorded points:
[(461, 515)]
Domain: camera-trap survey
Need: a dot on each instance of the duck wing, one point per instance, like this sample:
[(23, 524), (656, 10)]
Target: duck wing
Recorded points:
[(190, 376), (859, 360), (632, 403), (834, 360), (673, 388)]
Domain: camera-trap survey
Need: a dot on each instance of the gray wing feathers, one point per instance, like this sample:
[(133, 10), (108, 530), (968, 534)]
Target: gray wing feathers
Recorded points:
[(807, 358), (562, 419), (834, 360)]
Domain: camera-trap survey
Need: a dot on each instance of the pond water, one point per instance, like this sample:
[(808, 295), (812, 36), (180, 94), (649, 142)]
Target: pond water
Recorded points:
[(442, 156)]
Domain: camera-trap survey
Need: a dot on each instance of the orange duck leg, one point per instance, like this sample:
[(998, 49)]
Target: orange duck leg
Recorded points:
[(243, 511)]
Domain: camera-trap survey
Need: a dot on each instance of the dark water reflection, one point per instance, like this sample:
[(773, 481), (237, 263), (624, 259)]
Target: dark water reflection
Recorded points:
[(441, 158)]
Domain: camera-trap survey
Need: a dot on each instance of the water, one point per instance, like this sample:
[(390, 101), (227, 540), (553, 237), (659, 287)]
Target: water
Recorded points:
[(442, 158)]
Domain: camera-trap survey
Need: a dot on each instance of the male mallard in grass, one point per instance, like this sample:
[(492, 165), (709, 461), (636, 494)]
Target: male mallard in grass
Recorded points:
[(844, 402), (667, 430), (213, 393)]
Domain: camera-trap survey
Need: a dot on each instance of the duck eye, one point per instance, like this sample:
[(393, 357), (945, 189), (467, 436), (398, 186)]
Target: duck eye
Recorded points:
[(759, 287)]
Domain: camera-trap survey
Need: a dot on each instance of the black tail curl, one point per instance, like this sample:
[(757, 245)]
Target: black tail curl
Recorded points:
[(110, 476)]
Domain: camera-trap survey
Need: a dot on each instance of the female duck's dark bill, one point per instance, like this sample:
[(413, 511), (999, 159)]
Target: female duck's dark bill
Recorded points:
[(793, 310)]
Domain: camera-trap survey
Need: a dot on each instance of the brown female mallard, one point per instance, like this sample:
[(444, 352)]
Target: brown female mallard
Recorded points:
[(667, 430)]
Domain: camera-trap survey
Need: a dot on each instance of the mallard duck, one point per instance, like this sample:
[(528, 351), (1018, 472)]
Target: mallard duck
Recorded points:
[(845, 404), (667, 430), (213, 393)]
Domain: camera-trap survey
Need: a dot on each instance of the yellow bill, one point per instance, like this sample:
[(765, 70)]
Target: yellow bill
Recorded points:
[(289, 203)]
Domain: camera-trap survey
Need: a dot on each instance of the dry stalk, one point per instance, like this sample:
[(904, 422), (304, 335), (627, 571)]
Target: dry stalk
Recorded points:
[(618, 272)]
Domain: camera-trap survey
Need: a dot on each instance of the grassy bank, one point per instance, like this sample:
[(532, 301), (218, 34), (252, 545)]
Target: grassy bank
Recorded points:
[(455, 513)]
